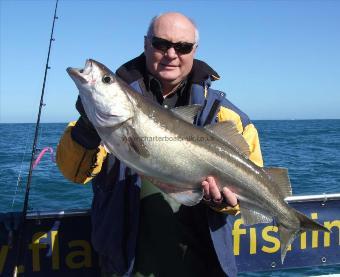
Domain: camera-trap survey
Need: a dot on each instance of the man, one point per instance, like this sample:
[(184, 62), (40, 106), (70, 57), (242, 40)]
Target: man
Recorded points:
[(137, 229)]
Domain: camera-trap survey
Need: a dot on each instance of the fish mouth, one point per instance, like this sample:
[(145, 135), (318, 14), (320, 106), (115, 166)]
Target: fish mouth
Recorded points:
[(81, 75)]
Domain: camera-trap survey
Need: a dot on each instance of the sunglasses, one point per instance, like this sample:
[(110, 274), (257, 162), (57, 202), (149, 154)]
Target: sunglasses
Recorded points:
[(164, 45)]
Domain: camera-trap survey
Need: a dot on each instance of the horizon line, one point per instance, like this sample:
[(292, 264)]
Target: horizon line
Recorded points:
[(277, 119)]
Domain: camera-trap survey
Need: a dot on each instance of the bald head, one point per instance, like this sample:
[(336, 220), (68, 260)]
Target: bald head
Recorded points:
[(170, 64), (175, 20)]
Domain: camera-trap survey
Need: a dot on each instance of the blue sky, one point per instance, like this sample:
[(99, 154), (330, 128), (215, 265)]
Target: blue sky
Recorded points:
[(277, 59)]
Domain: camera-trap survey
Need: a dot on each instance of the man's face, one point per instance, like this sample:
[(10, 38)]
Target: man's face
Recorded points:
[(170, 67)]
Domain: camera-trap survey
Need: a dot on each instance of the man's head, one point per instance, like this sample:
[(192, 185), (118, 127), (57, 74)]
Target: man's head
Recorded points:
[(170, 62)]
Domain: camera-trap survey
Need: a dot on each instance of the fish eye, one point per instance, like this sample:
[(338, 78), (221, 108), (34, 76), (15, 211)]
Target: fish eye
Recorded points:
[(107, 79)]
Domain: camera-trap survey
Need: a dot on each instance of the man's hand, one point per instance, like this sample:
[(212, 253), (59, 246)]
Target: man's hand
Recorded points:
[(212, 192)]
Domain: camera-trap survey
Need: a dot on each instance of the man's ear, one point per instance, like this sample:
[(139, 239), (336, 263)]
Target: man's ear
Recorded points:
[(195, 47)]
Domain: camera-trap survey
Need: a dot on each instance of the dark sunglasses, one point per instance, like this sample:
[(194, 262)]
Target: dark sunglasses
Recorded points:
[(163, 45)]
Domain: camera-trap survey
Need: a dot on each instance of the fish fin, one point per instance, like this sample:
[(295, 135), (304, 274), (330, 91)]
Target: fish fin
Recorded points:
[(251, 216), (309, 224), (287, 236), (227, 131), (138, 146), (136, 143), (187, 113), (280, 177), (187, 197), (106, 148)]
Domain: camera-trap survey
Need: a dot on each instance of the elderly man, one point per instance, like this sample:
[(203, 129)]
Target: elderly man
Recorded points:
[(136, 229)]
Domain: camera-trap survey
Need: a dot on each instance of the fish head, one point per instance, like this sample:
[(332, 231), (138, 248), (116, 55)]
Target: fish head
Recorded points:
[(105, 102)]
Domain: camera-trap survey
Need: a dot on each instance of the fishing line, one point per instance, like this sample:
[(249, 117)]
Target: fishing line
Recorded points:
[(20, 171), (41, 129), (19, 179), (20, 243)]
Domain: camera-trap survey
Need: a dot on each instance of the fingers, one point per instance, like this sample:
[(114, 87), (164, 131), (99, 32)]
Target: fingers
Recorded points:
[(215, 193), (212, 192), (206, 190), (229, 196)]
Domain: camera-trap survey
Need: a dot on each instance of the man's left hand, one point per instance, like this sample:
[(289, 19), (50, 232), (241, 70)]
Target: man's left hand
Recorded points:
[(212, 192)]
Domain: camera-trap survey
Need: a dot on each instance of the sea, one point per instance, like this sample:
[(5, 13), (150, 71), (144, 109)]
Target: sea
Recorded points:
[(310, 149)]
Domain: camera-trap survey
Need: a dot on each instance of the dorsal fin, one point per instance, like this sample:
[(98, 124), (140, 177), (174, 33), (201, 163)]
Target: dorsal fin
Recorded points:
[(187, 113), (280, 177), (227, 131)]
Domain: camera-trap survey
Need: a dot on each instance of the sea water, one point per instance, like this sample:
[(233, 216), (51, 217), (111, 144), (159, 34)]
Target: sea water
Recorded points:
[(310, 149)]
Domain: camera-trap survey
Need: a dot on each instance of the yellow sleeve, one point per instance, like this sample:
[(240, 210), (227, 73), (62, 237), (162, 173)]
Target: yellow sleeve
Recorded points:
[(250, 134), (252, 138), (75, 162)]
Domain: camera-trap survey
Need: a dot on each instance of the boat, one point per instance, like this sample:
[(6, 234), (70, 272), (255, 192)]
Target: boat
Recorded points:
[(59, 243)]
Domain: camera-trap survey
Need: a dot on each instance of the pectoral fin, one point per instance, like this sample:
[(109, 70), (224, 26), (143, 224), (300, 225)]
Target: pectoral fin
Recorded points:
[(136, 143)]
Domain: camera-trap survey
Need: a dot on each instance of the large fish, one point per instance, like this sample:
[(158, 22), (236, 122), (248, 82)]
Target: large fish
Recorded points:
[(164, 146)]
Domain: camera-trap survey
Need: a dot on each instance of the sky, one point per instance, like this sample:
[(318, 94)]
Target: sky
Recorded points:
[(276, 59)]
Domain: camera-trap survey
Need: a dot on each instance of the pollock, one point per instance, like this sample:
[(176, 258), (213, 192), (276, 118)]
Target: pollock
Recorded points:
[(167, 148)]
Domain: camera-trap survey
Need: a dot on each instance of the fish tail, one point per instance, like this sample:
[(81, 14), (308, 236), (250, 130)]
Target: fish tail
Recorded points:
[(288, 235), (309, 224)]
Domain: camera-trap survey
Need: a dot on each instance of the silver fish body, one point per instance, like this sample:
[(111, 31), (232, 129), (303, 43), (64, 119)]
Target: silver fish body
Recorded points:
[(165, 147)]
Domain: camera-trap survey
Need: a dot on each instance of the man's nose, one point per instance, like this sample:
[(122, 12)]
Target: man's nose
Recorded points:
[(171, 53)]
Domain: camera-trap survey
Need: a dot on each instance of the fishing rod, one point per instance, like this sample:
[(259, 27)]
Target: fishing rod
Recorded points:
[(21, 233)]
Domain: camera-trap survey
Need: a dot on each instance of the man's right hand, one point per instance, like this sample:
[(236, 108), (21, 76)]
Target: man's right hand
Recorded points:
[(211, 191)]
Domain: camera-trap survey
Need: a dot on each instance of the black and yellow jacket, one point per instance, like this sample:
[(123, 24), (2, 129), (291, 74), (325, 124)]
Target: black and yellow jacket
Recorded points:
[(115, 207)]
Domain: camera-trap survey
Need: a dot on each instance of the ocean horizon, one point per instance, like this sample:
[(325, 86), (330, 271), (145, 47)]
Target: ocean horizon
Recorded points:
[(253, 120)]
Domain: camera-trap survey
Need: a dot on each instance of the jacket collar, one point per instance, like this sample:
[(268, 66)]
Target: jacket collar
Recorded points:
[(135, 69)]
